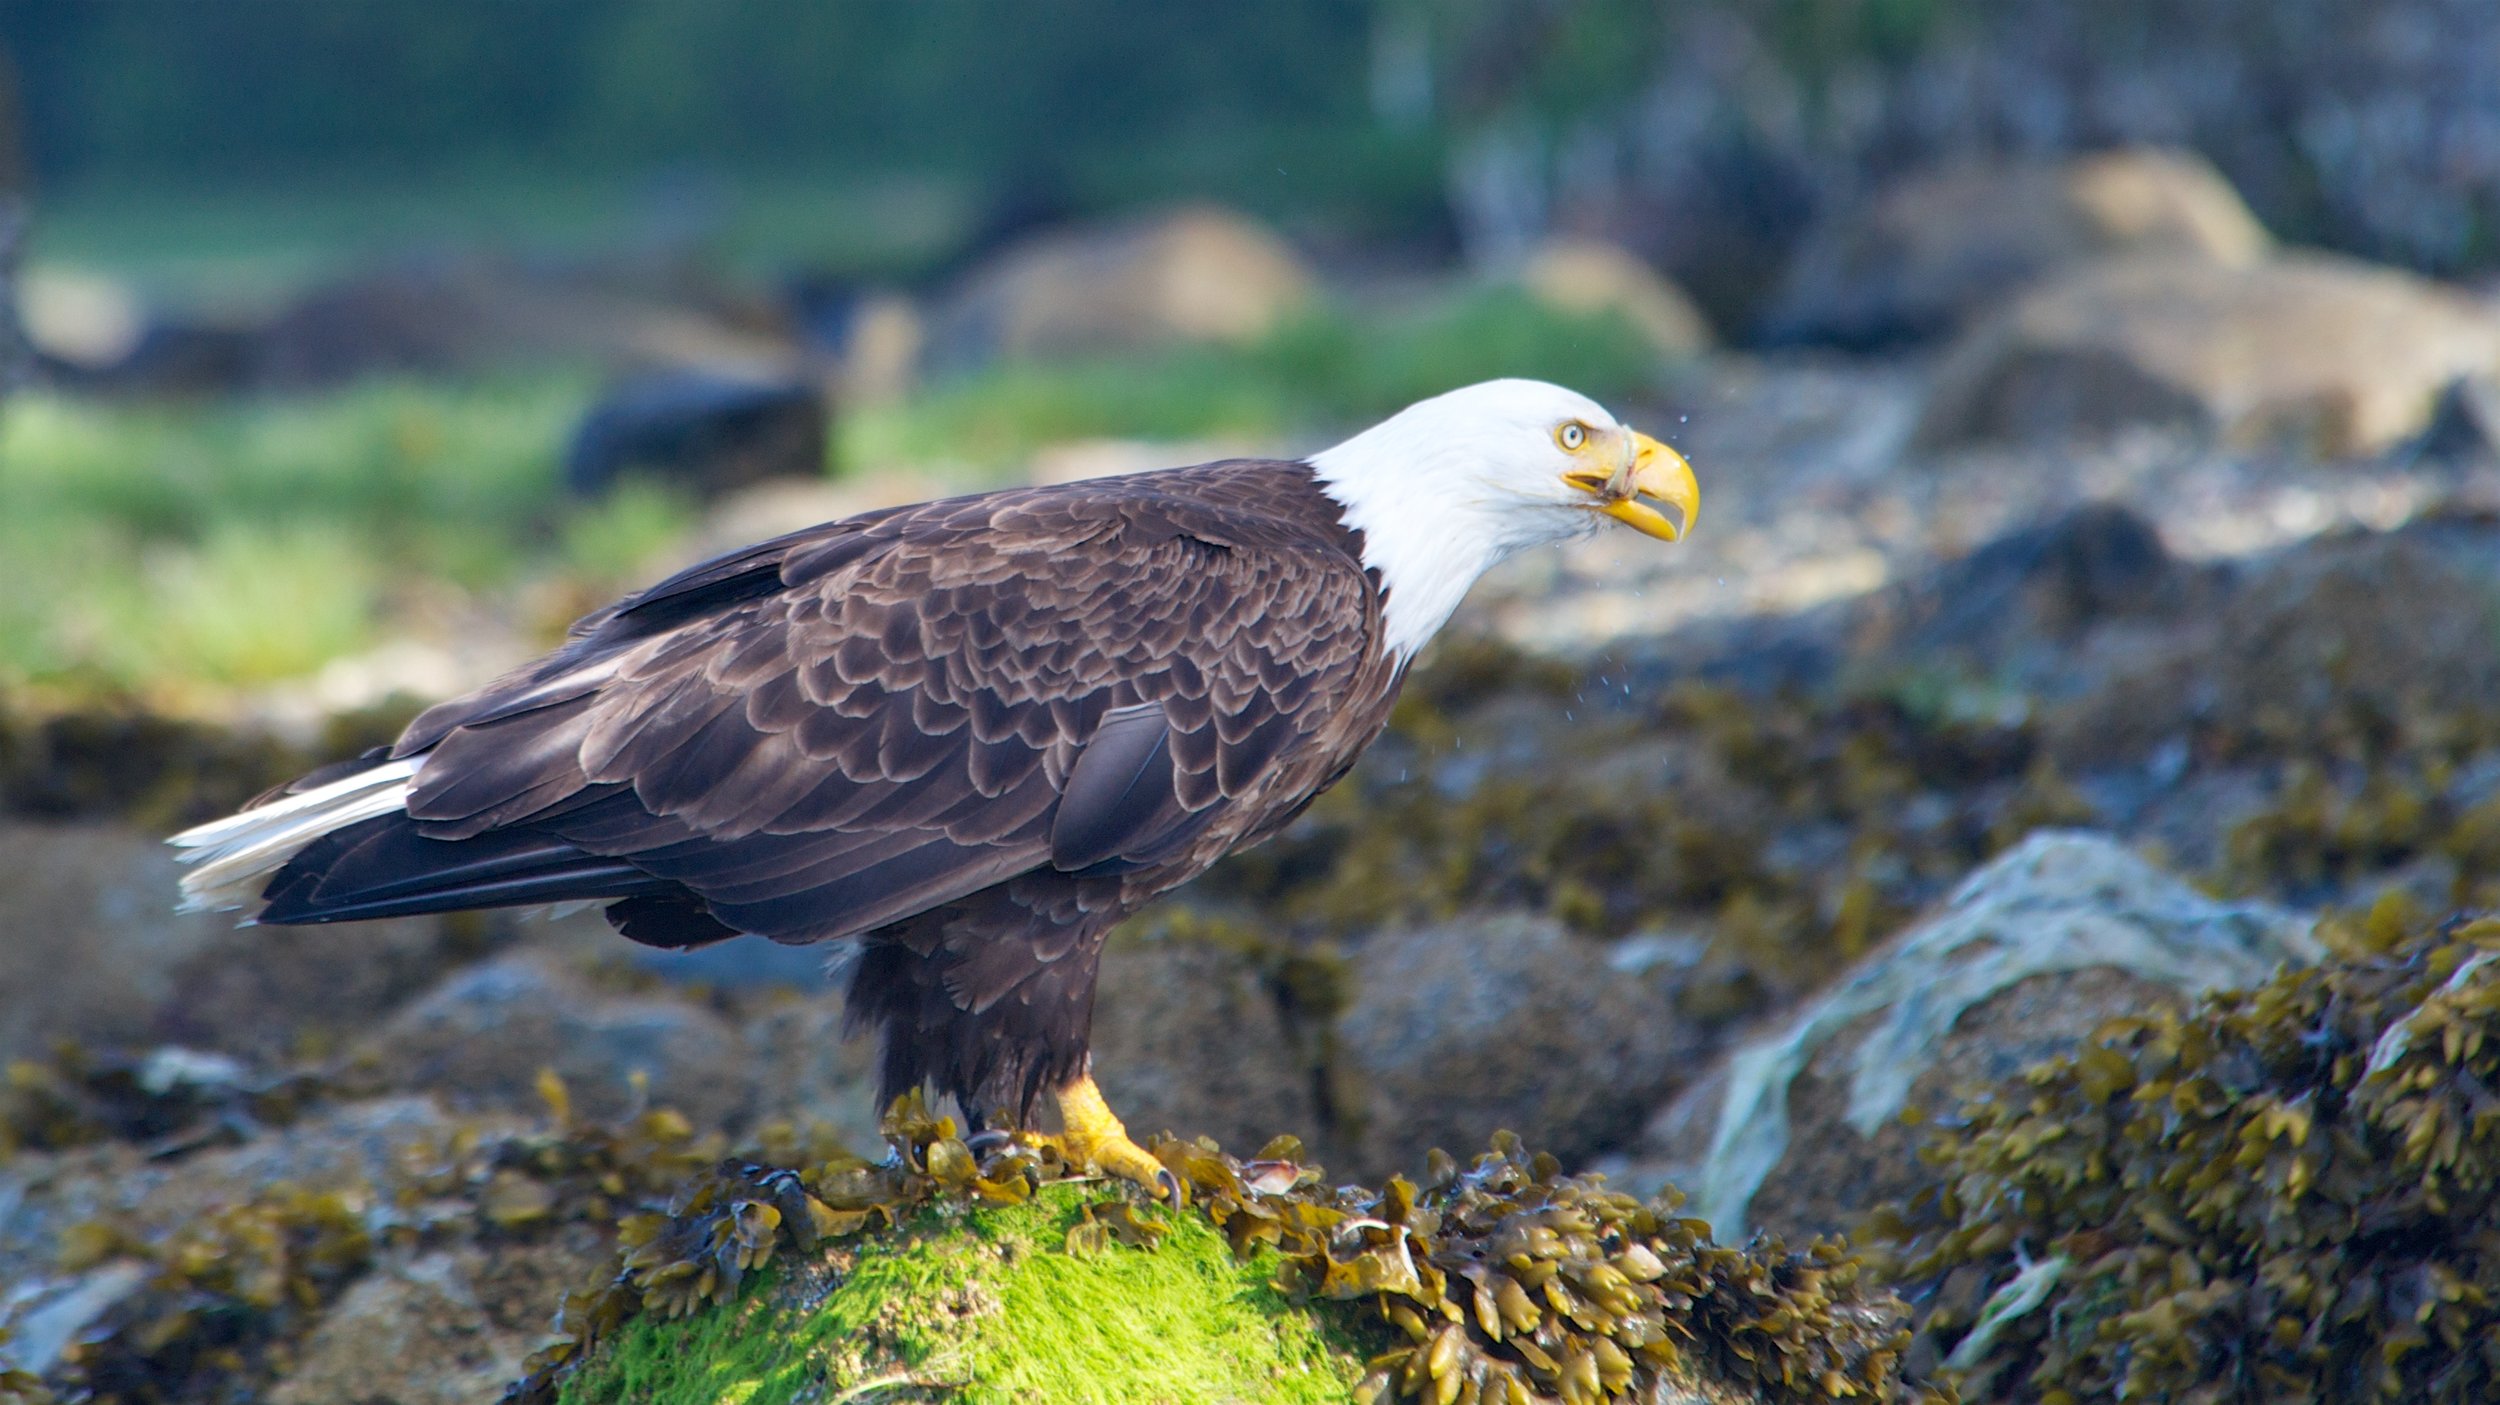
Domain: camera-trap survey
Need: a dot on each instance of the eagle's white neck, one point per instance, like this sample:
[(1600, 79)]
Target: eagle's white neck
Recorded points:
[(1433, 516)]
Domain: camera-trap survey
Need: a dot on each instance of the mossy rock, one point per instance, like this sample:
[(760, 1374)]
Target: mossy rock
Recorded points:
[(1009, 1303), (937, 1272)]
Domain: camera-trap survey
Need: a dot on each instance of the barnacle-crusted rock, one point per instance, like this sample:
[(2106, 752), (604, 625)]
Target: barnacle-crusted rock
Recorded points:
[(1800, 1131), (2287, 1194), (485, 1034), (939, 1274), (1464, 1028)]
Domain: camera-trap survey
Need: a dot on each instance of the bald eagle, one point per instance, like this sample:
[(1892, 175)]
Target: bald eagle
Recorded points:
[(960, 739)]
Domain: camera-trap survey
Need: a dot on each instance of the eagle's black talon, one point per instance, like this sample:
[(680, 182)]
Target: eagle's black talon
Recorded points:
[(1170, 1186), (988, 1141)]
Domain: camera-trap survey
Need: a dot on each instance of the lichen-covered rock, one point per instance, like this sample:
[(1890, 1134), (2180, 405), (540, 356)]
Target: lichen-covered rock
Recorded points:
[(2337, 356), (2288, 1194), (1461, 1029), (486, 1034), (1798, 1132), (1196, 274), (1934, 249)]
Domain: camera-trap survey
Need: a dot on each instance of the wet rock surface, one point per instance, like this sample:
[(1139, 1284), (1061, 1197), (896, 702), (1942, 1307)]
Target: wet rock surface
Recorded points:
[(1190, 1033), (451, 1326)]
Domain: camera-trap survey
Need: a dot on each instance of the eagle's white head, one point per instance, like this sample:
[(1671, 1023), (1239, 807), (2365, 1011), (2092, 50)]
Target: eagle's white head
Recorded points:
[(1446, 488)]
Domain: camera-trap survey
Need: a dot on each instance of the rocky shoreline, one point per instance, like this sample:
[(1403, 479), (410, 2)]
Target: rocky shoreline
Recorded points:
[(2047, 776)]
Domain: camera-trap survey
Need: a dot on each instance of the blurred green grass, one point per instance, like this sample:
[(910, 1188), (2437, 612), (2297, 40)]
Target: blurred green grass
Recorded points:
[(243, 541), (1334, 368), (170, 547)]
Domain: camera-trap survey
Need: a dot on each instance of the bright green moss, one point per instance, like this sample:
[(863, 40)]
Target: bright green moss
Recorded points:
[(1002, 1313)]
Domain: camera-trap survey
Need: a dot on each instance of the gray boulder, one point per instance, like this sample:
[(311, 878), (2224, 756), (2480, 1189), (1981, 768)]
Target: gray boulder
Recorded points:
[(2328, 354), (1801, 1131), (1189, 1038), (706, 432), (1935, 249), (1195, 274), (94, 953), (1482, 1024), (482, 1037)]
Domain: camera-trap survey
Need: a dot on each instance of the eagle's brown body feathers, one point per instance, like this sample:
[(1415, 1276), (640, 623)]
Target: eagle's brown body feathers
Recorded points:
[(972, 735), (964, 738)]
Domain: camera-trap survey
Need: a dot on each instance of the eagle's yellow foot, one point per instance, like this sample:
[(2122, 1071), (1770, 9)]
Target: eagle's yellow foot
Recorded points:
[(1095, 1140)]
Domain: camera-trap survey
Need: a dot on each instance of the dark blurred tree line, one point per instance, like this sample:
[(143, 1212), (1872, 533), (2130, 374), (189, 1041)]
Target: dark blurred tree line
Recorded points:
[(1105, 97), (15, 358), (1705, 132)]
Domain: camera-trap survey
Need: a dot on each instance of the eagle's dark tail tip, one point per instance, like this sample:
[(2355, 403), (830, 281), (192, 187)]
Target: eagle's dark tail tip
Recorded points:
[(382, 867)]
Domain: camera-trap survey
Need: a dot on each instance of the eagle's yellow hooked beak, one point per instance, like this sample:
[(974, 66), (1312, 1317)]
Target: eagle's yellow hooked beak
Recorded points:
[(1650, 476)]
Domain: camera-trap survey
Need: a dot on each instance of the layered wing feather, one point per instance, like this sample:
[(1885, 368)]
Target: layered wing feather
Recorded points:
[(827, 733)]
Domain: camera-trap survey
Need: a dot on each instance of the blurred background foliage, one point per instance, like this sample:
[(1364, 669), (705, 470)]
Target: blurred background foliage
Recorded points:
[(759, 162), (1686, 125)]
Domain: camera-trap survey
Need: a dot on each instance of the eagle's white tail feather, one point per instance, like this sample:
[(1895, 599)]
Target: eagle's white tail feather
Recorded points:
[(236, 855)]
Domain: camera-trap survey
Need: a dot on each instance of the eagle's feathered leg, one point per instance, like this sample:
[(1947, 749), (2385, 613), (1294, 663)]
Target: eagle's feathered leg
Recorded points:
[(989, 1000)]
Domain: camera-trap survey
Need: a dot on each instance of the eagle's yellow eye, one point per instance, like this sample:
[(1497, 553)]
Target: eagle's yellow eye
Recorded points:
[(1572, 435)]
